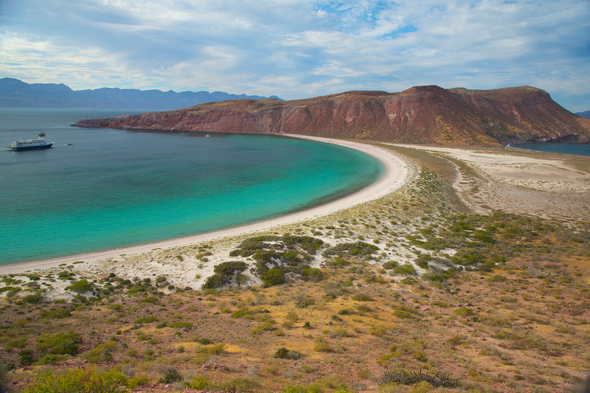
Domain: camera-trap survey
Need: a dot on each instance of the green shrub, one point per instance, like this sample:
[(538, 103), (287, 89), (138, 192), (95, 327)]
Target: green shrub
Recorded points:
[(149, 319), (273, 277), (406, 270), (390, 265), (17, 343), (337, 262), (362, 297), (378, 331), (323, 347), (284, 353), (199, 383), (181, 325), (241, 313), (56, 314), (138, 380), (26, 357), (50, 359), (218, 349), (33, 299), (151, 300), (78, 381), (408, 281), (420, 356), (80, 287), (101, 353), (313, 274), (351, 250), (171, 375), (60, 344), (224, 273)]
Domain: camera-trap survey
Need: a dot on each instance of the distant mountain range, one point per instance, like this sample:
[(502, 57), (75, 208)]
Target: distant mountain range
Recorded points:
[(17, 94), (584, 114), (421, 114)]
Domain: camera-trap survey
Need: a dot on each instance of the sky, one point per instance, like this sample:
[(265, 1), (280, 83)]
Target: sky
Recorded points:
[(298, 48)]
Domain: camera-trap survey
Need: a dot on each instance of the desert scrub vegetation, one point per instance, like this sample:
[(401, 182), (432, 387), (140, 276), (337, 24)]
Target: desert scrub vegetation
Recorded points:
[(225, 274), (526, 328)]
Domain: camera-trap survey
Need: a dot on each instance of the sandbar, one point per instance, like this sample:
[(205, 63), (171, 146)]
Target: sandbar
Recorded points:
[(395, 176)]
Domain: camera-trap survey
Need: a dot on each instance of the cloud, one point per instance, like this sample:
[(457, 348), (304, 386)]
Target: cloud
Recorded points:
[(297, 48)]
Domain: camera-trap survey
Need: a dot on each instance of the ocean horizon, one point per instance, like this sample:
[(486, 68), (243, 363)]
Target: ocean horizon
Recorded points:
[(100, 189)]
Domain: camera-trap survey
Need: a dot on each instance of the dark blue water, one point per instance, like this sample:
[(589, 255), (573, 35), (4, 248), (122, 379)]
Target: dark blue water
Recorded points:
[(567, 148), (114, 188)]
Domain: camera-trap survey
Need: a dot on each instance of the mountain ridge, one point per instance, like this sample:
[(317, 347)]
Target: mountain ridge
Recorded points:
[(15, 93), (421, 114)]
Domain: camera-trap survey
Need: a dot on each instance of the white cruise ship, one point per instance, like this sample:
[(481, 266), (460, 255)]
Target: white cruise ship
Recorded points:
[(31, 144)]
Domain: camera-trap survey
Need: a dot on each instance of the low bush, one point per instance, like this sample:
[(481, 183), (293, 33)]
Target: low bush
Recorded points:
[(101, 353), (149, 319), (273, 277), (33, 299), (323, 347), (362, 297), (181, 325), (199, 383), (284, 353), (313, 274), (60, 344), (406, 270), (403, 377), (80, 287), (390, 265), (171, 375), (351, 250), (138, 380), (78, 381)]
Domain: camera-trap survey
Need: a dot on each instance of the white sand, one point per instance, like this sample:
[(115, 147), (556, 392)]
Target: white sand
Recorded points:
[(394, 177)]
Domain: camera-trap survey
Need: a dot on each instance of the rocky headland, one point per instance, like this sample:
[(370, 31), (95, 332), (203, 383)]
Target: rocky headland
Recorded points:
[(422, 114)]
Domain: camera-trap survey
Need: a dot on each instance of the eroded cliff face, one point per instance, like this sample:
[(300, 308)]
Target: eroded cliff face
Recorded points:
[(424, 114)]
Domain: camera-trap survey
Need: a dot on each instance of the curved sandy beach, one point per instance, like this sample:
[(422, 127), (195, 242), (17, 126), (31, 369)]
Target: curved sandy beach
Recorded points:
[(394, 177)]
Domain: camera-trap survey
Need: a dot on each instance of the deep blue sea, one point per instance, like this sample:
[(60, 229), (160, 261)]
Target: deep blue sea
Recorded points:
[(115, 188), (567, 148)]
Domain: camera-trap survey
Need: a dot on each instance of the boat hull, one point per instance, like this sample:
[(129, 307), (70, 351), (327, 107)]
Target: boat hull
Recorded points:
[(23, 148)]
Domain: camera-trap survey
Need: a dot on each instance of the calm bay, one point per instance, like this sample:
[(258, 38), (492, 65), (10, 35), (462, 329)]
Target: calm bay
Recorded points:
[(99, 189)]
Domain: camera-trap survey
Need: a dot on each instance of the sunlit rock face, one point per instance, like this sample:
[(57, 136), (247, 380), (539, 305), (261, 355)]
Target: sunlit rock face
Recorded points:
[(422, 114)]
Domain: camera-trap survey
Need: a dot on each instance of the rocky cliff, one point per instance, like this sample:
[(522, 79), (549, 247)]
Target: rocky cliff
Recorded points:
[(424, 114)]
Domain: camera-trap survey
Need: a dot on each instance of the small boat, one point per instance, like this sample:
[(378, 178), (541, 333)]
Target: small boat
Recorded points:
[(41, 135), (31, 144), (207, 136)]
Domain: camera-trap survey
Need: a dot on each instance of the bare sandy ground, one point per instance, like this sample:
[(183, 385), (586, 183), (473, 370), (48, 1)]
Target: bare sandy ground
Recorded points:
[(394, 177), (549, 186)]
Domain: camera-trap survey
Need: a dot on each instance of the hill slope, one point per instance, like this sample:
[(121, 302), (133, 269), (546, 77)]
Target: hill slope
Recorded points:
[(424, 114), (17, 94)]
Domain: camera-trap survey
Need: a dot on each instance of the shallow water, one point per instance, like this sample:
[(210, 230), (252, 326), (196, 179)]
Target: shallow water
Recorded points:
[(114, 188), (567, 148)]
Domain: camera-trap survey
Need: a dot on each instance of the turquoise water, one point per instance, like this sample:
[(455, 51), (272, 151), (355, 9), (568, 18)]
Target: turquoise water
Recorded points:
[(114, 188), (567, 148)]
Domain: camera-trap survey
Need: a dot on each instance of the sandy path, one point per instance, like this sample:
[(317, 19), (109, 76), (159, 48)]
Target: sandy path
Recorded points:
[(393, 178)]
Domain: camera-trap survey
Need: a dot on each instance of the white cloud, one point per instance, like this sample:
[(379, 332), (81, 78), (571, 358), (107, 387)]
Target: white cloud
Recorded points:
[(297, 48)]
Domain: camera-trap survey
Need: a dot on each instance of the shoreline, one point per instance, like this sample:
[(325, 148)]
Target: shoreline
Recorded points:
[(394, 176)]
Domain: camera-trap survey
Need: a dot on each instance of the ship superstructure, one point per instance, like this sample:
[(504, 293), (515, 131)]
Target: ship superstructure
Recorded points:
[(31, 144)]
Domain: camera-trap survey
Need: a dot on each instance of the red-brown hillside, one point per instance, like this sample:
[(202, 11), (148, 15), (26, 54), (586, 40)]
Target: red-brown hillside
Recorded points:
[(423, 114)]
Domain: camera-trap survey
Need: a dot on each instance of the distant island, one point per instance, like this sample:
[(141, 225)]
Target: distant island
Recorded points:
[(421, 114), (585, 114), (18, 94)]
